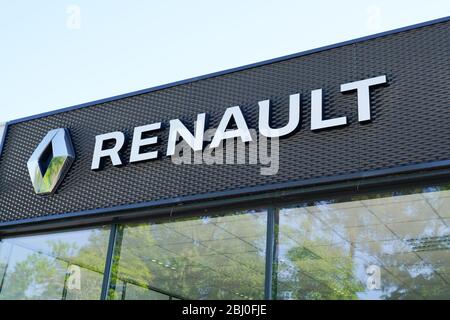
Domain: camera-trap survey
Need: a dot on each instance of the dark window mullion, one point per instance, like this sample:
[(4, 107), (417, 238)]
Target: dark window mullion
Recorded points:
[(109, 262), (271, 254)]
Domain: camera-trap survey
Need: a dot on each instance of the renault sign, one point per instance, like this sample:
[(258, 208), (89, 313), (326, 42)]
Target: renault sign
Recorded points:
[(50, 161)]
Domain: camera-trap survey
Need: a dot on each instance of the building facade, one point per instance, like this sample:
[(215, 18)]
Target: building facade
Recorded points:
[(320, 175)]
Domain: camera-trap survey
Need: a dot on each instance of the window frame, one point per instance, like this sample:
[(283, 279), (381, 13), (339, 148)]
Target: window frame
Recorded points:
[(268, 201)]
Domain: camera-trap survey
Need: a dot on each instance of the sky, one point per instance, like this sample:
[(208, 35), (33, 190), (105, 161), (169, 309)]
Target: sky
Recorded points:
[(56, 54)]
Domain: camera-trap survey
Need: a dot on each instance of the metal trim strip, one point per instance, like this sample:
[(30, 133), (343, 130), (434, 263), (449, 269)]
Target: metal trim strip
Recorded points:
[(234, 192)]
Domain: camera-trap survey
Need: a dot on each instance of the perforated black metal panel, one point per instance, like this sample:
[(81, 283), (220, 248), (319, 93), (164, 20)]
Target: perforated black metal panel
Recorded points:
[(410, 126)]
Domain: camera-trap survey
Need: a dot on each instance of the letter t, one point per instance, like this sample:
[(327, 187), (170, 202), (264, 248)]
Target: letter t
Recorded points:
[(363, 93)]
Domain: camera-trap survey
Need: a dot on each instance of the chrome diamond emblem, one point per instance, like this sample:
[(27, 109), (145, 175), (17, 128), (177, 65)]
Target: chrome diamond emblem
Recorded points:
[(50, 161)]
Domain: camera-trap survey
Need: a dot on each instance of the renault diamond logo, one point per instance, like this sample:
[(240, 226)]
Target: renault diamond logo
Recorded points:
[(50, 161)]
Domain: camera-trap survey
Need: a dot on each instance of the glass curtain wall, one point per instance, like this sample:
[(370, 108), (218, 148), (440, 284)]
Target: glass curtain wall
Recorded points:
[(209, 257), (382, 246), (387, 245), (57, 266)]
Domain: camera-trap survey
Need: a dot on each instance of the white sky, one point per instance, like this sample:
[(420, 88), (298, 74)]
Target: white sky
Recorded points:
[(51, 57)]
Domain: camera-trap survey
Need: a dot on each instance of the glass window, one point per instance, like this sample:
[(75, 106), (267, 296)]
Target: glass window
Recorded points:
[(383, 246), (55, 266), (210, 257)]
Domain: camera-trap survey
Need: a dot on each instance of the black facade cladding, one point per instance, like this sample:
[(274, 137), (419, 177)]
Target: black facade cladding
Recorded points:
[(410, 125)]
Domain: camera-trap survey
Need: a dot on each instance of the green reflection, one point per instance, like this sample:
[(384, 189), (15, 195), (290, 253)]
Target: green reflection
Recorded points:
[(200, 258), (326, 247), (46, 183), (37, 267)]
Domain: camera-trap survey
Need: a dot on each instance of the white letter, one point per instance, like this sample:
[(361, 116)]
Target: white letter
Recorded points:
[(317, 121), (74, 278), (264, 118), (113, 153), (212, 156), (183, 153), (138, 142), (73, 21), (363, 93), (374, 277), (178, 129), (222, 133), (273, 160)]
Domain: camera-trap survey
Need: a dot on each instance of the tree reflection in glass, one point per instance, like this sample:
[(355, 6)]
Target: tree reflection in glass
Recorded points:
[(213, 257), (66, 265), (327, 248)]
